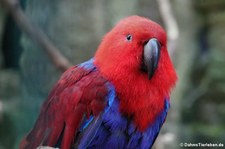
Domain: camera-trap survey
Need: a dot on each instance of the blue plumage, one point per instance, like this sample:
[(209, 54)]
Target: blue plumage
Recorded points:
[(88, 64)]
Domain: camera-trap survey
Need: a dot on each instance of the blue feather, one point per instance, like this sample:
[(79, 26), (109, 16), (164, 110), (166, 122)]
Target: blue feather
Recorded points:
[(88, 64), (152, 131), (86, 123)]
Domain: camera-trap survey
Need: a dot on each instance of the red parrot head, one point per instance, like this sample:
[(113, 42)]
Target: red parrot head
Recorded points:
[(134, 57)]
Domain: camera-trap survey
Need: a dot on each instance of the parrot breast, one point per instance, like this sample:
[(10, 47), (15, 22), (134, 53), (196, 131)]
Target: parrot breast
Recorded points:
[(113, 129)]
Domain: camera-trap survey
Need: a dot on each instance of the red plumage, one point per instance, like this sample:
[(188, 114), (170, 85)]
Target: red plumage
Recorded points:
[(78, 93), (139, 97)]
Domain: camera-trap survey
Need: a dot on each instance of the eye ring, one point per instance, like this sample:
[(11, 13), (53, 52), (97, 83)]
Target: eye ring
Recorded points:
[(129, 37)]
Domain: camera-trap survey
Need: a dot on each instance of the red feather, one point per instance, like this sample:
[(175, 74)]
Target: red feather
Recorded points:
[(140, 98), (78, 93)]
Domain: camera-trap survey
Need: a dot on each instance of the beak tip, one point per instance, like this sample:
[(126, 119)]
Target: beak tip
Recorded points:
[(151, 56), (150, 75)]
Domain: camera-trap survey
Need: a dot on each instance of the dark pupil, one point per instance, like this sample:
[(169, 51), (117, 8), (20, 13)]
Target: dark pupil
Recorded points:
[(129, 37)]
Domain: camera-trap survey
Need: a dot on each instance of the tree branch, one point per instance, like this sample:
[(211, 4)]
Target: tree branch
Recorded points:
[(36, 34), (170, 23)]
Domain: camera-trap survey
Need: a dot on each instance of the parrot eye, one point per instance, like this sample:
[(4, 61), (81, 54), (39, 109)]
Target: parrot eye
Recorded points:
[(129, 37)]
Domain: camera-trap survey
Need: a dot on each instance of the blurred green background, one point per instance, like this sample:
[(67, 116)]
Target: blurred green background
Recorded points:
[(76, 27)]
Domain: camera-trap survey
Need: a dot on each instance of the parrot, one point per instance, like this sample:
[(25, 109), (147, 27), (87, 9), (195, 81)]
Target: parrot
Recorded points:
[(119, 99)]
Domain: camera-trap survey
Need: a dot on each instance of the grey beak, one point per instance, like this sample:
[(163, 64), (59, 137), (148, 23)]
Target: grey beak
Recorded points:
[(151, 56)]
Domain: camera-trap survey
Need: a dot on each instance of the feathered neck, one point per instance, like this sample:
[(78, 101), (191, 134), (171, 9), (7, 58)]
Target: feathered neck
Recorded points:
[(140, 99)]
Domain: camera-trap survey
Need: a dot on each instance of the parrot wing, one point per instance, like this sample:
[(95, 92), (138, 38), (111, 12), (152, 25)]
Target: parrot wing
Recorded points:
[(79, 94)]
